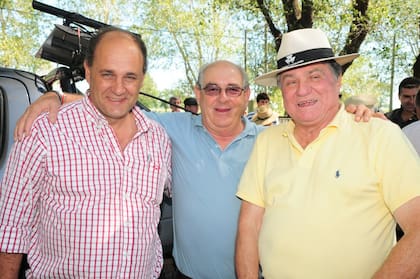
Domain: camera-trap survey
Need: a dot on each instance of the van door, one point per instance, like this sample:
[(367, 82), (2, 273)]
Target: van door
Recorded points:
[(17, 90)]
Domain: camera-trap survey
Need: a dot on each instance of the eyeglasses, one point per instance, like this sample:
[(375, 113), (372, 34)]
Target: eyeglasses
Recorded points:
[(214, 90)]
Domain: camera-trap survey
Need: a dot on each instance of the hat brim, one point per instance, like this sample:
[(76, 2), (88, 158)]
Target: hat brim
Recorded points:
[(270, 78)]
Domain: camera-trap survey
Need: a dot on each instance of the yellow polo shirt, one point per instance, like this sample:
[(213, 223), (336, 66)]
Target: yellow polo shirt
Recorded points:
[(328, 207)]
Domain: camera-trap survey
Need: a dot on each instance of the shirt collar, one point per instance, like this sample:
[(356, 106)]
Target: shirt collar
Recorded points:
[(142, 122), (337, 122)]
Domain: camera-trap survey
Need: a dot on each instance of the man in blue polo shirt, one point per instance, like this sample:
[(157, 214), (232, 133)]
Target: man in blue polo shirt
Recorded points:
[(209, 154)]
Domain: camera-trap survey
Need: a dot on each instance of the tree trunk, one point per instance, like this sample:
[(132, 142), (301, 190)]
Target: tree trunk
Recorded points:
[(416, 67), (358, 29)]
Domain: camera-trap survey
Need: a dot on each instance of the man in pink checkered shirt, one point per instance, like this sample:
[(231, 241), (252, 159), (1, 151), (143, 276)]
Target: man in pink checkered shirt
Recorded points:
[(81, 197)]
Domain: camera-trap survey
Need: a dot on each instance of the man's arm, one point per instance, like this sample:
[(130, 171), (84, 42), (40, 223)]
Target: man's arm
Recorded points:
[(246, 254), (10, 265), (49, 102), (404, 259)]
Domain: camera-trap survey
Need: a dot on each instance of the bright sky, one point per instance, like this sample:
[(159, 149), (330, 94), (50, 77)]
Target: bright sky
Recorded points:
[(165, 79)]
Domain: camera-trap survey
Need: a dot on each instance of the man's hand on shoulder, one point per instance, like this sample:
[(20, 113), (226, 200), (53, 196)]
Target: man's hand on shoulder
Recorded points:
[(362, 112), (49, 102)]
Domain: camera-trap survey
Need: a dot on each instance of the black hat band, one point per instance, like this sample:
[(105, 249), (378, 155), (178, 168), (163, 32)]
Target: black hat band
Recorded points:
[(304, 57)]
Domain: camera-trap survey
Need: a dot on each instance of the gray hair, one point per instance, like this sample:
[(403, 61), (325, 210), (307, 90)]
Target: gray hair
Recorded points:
[(203, 69), (336, 68)]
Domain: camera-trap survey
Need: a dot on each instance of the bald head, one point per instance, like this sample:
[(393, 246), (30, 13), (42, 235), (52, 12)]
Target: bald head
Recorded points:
[(115, 32)]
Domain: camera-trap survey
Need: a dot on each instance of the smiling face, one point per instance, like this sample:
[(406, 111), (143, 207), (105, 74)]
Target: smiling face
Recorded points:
[(221, 114), (115, 76), (311, 94)]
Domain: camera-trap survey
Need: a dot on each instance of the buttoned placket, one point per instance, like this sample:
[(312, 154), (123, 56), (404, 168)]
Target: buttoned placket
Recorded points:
[(122, 199)]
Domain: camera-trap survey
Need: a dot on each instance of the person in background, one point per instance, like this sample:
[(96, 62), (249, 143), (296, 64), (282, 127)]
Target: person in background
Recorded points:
[(210, 151), (81, 197), (406, 114), (321, 195), (262, 99), (412, 131), (264, 115), (191, 105), (175, 104)]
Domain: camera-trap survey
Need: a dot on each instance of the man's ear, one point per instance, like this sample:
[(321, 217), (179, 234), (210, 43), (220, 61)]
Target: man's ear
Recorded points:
[(247, 93), (87, 71), (197, 92)]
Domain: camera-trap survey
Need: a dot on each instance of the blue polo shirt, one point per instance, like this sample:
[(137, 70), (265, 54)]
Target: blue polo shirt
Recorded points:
[(204, 185)]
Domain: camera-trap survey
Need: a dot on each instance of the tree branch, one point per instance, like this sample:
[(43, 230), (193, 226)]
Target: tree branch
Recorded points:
[(416, 67), (290, 15), (307, 14), (358, 30), (269, 20)]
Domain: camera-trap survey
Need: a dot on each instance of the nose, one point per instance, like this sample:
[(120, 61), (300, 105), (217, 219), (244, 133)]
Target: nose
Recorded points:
[(222, 96), (303, 88), (118, 86)]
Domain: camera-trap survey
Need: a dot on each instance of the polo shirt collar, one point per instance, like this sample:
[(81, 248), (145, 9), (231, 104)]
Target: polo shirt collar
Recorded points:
[(337, 122)]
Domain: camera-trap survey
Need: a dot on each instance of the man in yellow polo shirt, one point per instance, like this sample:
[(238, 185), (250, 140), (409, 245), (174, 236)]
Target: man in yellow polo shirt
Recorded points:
[(322, 194)]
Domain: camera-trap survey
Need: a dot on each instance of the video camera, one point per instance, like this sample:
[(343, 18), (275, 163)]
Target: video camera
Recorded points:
[(66, 45)]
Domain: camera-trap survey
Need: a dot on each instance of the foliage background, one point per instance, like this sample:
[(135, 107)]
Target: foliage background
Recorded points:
[(183, 35)]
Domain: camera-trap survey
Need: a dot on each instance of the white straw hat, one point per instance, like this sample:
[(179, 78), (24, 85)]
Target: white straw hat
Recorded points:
[(299, 48)]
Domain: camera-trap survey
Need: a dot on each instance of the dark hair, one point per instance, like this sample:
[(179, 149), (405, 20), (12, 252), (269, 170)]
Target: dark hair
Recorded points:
[(190, 101), (418, 100), (409, 82), (335, 67), (262, 96), (97, 37)]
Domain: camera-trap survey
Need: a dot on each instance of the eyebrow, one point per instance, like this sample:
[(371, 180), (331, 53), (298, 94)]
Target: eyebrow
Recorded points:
[(229, 84), (287, 74), (316, 70), (106, 71), (283, 76)]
